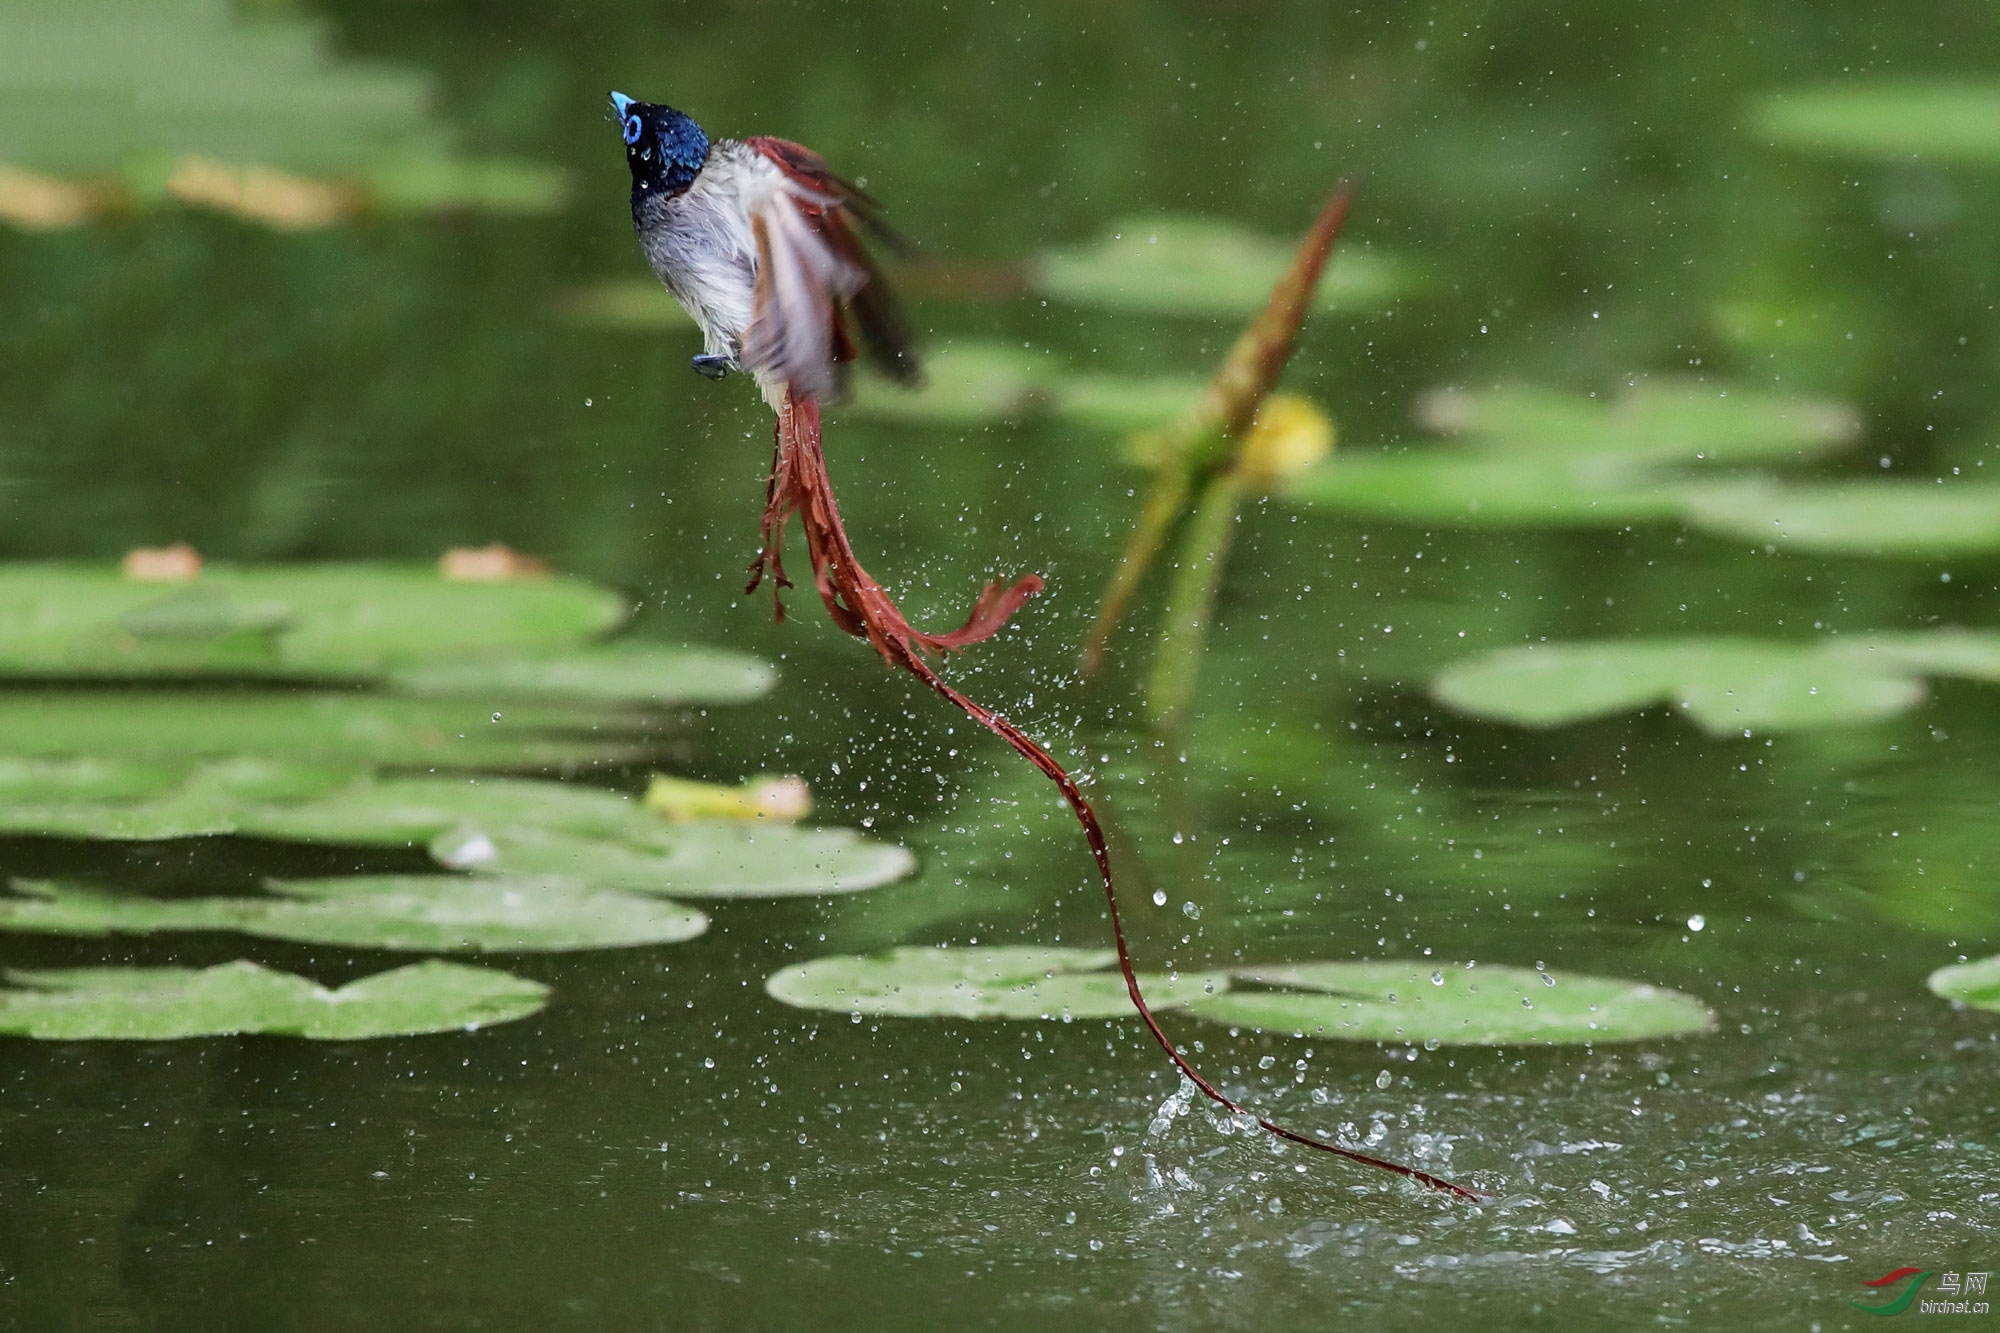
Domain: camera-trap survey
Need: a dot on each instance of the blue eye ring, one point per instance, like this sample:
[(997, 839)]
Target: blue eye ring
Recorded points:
[(632, 129)]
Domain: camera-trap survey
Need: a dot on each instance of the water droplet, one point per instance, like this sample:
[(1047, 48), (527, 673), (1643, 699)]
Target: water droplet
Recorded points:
[(1190, 911), (1178, 839), (1437, 977), (496, 717), (1159, 897), (1382, 1079), (1697, 921)]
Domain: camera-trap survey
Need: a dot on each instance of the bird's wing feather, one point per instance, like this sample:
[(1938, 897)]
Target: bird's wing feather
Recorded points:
[(811, 268)]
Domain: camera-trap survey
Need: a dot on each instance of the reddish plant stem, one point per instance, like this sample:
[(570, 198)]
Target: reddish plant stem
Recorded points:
[(862, 607)]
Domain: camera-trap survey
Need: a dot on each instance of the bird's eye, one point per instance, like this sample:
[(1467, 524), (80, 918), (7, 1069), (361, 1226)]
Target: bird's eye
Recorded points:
[(632, 129)]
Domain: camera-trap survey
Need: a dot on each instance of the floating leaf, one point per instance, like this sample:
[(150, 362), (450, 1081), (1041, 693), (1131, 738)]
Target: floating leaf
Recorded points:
[(162, 1003), (965, 383), (626, 672), (274, 124), (1020, 981), (1918, 520), (1125, 403), (1938, 121), (1531, 457), (1655, 423), (1190, 266), (1452, 1004), (716, 859), (1725, 685), (351, 730), (1976, 983), (1458, 487), (432, 913), (313, 621), (1967, 654)]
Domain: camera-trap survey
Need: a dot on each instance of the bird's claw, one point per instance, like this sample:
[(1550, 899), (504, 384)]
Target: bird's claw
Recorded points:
[(710, 366)]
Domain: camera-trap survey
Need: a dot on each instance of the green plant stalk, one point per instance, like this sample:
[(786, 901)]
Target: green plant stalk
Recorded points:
[(1204, 437), (1191, 598), (1165, 498)]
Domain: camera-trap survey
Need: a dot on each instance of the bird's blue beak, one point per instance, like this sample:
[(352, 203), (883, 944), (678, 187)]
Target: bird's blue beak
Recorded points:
[(619, 103)]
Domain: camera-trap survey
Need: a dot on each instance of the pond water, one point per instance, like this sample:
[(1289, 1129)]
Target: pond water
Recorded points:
[(1581, 200)]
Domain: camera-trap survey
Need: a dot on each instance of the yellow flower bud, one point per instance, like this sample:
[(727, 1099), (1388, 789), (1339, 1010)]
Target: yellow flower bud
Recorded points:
[(1288, 435)]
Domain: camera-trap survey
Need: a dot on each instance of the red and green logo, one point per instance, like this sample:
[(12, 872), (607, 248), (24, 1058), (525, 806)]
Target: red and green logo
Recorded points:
[(1913, 1282)]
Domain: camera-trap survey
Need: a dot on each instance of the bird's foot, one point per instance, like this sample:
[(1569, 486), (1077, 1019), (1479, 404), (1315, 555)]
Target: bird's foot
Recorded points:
[(710, 366)]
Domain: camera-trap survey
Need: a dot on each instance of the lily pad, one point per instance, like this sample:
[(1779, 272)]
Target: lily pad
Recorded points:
[(1897, 122), (1724, 685), (970, 383), (1907, 519), (707, 859), (625, 673), (199, 79), (1976, 983), (1021, 982), (1451, 1004), (338, 730), (1204, 268), (1451, 485), (551, 831), (430, 913), (964, 384), (1658, 423), (347, 622), (163, 1003)]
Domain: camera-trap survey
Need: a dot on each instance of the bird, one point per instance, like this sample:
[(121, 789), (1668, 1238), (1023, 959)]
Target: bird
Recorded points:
[(757, 239)]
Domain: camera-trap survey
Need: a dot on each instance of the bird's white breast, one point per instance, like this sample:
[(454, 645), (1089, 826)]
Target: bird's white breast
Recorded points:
[(701, 245)]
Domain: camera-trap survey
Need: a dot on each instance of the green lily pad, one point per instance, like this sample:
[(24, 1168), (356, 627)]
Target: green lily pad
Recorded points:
[(1451, 1004), (430, 913), (163, 1003), (1976, 983), (617, 673), (1458, 487), (410, 812), (1908, 519), (964, 384), (1533, 457), (696, 859), (1897, 122), (203, 78), (969, 383), (1202, 268), (1020, 981), (1724, 685), (336, 730), (315, 622), (564, 832), (1665, 423)]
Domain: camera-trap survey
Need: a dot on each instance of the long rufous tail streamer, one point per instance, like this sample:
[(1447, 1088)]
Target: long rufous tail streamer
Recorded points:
[(800, 485)]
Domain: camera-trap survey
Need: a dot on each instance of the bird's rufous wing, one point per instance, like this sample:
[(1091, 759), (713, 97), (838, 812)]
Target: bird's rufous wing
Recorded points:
[(811, 272)]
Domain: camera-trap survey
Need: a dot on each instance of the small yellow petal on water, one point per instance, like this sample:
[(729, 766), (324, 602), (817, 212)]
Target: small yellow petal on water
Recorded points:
[(179, 563), (779, 798)]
